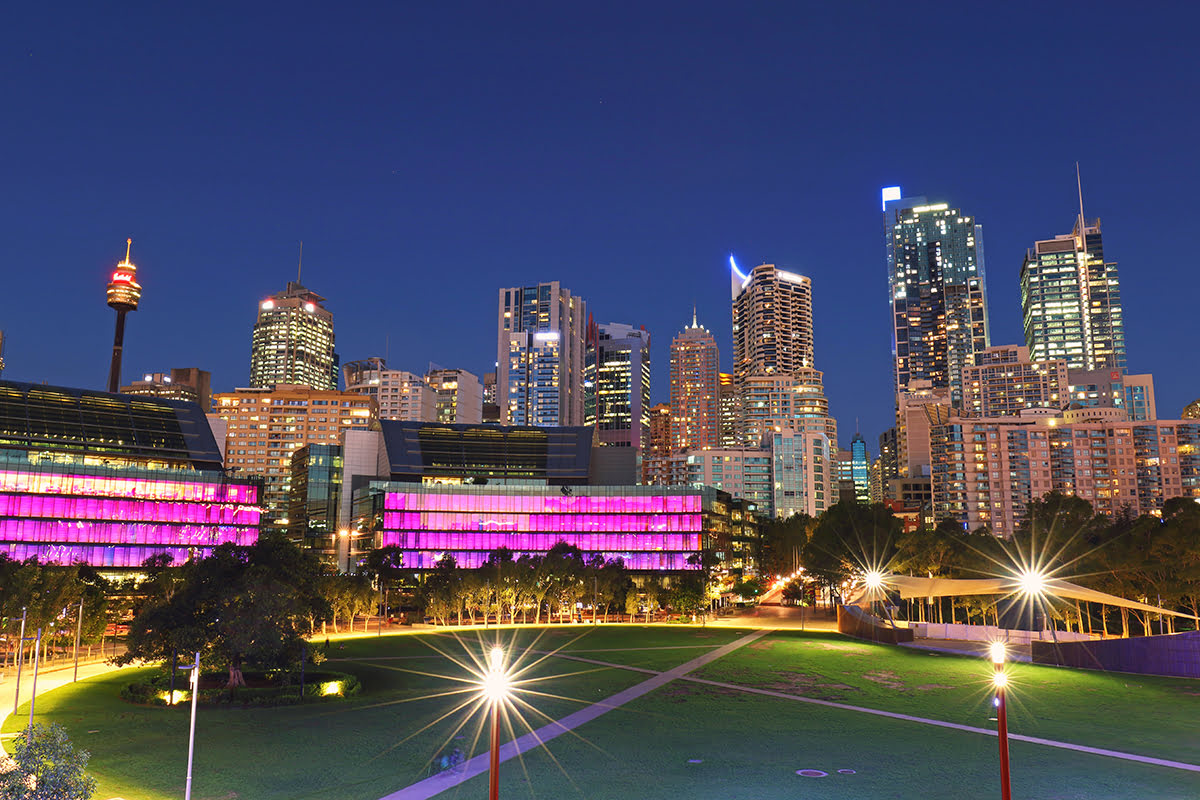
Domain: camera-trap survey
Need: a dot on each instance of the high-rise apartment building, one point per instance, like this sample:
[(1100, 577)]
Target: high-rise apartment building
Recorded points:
[(772, 321), (1192, 410), (657, 450), (265, 426), (398, 394), (987, 471), (540, 356), (695, 370), (729, 410), (1004, 381), (616, 384), (458, 393), (188, 383), (937, 291), (794, 401), (917, 409), (1071, 301), (292, 342)]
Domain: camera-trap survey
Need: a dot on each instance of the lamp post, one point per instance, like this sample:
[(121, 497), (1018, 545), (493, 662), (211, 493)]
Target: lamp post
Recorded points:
[(78, 632), (344, 535), (1000, 681), (20, 660), (195, 679), (495, 690), (37, 647)]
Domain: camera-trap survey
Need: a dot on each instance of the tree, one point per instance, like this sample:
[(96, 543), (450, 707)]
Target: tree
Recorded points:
[(851, 537), (44, 765), (748, 588), (781, 542), (241, 604)]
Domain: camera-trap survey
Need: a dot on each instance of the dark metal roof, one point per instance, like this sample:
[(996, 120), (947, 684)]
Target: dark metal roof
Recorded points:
[(34, 416), (560, 456)]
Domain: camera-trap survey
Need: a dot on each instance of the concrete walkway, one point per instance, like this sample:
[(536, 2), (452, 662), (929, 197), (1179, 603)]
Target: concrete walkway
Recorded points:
[(421, 790), (48, 680)]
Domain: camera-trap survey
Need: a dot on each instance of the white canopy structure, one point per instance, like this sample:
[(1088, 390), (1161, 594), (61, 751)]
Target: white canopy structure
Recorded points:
[(910, 587)]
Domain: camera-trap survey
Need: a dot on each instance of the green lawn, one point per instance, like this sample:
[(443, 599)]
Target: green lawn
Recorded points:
[(749, 746)]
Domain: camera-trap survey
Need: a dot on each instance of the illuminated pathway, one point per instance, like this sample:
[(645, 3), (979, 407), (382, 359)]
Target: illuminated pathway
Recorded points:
[(479, 764)]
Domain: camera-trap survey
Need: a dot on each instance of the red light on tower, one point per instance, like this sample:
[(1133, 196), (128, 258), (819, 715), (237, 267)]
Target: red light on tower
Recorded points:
[(124, 292)]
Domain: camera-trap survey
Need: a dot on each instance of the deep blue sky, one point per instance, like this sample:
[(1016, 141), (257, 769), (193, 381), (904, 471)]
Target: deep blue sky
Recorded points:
[(428, 154)]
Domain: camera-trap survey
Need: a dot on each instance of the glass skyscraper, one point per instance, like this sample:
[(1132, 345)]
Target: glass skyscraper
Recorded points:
[(540, 356), (860, 468), (1071, 301), (936, 289), (616, 384)]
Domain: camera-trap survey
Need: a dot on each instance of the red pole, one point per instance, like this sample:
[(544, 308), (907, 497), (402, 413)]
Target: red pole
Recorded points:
[(494, 769), (1002, 735)]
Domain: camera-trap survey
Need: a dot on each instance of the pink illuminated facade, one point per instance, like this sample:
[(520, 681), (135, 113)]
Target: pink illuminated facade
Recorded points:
[(117, 520), (650, 528)]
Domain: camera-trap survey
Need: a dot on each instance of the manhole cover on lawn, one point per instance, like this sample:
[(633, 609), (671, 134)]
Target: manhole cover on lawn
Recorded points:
[(695, 760), (846, 772), (811, 773)]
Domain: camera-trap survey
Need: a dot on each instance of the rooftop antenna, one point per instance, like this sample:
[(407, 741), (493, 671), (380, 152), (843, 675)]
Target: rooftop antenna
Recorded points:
[(300, 262), (1082, 222), (694, 323)]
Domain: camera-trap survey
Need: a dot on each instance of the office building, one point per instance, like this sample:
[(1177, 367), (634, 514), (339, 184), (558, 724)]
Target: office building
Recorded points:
[(695, 367), (860, 469), (937, 291), (458, 395), (398, 394), (189, 383), (985, 472), (744, 472), (1071, 301), (491, 411), (265, 427), (292, 343), (772, 321), (889, 459), (540, 356), (110, 480), (616, 384), (314, 497)]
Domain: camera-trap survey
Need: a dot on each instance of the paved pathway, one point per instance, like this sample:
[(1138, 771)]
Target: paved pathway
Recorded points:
[(48, 681), (421, 790)]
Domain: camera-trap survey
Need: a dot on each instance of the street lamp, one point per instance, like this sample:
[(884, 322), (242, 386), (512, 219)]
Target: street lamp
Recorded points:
[(495, 684), (1000, 682), (344, 535), (195, 678)]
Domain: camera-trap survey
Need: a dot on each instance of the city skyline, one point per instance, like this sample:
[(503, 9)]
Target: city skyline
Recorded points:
[(380, 234)]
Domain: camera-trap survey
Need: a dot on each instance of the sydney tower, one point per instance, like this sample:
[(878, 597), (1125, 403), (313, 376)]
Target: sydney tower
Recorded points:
[(124, 292)]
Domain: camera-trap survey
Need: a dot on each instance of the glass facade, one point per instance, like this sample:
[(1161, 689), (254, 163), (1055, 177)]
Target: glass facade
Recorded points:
[(650, 528), (119, 517), (937, 292), (540, 356), (314, 495), (1071, 302)]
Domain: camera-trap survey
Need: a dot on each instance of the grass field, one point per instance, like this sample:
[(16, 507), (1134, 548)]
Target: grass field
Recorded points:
[(745, 745)]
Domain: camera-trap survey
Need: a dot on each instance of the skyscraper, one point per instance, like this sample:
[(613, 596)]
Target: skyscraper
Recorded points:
[(1071, 300), (616, 384), (540, 356), (937, 290), (124, 294), (695, 366), (772, 321), (860, 468), (656, 452), (729, 407), (292, 342)]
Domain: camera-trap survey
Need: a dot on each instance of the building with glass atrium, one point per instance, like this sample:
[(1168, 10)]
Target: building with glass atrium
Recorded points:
[(111, 480)]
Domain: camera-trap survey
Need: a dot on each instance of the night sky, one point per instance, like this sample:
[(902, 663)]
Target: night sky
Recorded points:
[(428, 154)]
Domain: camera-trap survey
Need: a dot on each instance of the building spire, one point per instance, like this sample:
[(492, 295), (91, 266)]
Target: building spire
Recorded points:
[(694, 323), (300, 261), (128, 244)]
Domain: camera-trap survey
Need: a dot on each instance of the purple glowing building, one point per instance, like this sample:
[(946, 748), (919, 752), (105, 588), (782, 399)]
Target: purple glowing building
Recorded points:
[(110, 479)]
